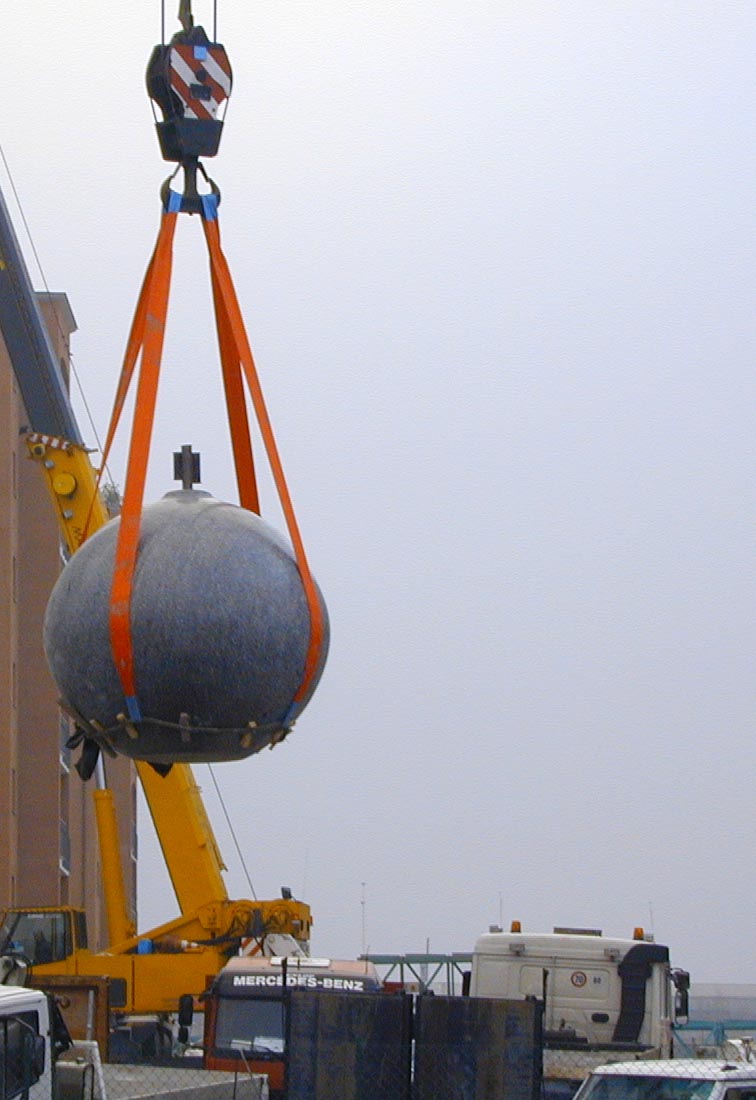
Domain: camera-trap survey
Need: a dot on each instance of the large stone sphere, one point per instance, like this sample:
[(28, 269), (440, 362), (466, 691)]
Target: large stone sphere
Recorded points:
[(220, 630)]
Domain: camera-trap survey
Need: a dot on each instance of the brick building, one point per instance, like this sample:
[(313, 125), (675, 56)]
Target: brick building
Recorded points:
[(48, 850)]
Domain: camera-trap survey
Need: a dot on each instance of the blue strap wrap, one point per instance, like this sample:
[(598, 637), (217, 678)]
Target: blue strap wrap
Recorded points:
[(209, 207), (291, 715), (132, 706), (173, 206)]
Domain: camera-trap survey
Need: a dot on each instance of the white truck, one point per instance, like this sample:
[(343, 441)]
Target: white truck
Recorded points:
[(678, 1079), (26, 1044), (33, 1036), (603, 999)]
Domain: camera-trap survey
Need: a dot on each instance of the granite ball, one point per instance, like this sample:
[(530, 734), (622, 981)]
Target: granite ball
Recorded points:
[(220, 630)]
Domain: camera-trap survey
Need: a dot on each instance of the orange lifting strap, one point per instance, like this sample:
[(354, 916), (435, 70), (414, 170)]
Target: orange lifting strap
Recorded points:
[(237, 362)]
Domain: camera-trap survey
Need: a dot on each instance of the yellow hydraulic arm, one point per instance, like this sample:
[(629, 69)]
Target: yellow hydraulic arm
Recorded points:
[(71, 480), (186, 837)]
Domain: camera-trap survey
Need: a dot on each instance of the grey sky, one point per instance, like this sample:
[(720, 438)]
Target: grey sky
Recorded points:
[(497, 265)]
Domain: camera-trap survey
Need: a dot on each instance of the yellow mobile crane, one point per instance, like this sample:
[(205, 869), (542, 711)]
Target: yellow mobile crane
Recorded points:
[(149, 971)]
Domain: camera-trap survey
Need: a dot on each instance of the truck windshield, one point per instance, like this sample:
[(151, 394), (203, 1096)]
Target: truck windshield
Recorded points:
[(646, 1088), (250, 1026)]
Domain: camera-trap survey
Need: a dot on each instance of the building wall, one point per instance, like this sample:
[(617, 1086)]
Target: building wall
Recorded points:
[(9, 417), (51, 855)]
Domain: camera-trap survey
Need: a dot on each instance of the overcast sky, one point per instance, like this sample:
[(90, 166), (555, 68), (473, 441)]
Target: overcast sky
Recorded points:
[(497, 263)]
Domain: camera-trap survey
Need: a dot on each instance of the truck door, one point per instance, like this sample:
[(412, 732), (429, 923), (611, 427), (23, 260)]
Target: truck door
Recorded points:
[(577, 997), (22, 1053)]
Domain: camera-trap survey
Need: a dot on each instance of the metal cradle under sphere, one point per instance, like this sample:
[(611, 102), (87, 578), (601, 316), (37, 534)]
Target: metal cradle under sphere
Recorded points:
[(220, 631)]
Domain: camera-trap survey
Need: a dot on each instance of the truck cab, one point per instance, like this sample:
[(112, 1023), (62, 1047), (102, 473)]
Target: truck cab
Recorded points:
[(245, 1008), (43, 935), (603, 998)]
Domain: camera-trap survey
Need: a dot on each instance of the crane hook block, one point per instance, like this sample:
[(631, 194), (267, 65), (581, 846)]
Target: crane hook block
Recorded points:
[(190, 80)]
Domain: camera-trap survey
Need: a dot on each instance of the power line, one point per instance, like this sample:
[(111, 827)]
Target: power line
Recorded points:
[(233, 834), (61, 334)]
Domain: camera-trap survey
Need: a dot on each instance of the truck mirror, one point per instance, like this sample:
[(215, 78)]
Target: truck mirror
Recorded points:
[(186, 1010), (38, 1057), (681, 982)]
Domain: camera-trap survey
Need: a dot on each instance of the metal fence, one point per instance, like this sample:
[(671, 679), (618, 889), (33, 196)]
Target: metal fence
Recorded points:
[(726, 1038), (348, 1047), (476, 1049), (389, 1048), (378, 1047)]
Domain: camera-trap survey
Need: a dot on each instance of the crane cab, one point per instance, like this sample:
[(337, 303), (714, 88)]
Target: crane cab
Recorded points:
[(44, 936)]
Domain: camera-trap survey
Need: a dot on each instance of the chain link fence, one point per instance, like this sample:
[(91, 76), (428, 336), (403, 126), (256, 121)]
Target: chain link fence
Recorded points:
[(81, 1075), (717, 1040), (671, 1079), (564, 1068), (341, 1058), (689, 1075)]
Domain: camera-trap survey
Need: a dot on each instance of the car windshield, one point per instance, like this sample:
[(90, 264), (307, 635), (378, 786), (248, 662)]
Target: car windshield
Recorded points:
[(620, 1087)]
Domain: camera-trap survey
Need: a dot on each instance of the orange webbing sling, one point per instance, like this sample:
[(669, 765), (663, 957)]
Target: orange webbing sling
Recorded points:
[(237, 362), (230, 322), (147, 333)]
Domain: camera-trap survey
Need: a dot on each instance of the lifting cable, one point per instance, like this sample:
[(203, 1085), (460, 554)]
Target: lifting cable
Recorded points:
[(55, 316), (231, 829), (185, 16)]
